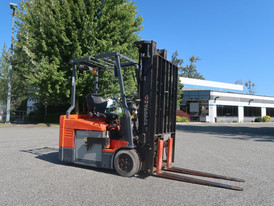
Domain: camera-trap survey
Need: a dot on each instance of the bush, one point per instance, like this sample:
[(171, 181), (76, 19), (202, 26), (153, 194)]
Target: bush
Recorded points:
[(181, 119), (185, 119), (52, 118), (35, 116), (259, 119), (266, 118), (181, 113)]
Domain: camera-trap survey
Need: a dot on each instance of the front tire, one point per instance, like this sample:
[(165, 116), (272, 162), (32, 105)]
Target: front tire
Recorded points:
[(127, 163)]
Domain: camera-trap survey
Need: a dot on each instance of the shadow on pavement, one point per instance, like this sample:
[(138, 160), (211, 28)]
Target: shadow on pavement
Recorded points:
[(258, 134), (50, 154)]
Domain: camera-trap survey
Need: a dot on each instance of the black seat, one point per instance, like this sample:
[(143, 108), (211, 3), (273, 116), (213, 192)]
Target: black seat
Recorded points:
[(97, 107), (96, 103)]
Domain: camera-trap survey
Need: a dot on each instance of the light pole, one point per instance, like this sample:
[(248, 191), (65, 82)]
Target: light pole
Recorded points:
[(13, 7)]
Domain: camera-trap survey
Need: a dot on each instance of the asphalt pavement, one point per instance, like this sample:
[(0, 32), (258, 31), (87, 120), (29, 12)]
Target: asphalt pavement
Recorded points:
[(31, 174)]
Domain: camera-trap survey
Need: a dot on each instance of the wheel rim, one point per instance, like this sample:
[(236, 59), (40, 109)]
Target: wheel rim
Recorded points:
[(125, 163)]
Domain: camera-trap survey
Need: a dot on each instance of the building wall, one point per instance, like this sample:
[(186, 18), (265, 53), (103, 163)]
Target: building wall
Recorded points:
[(227, 119), (242, 101), (240, 114), (212, 111), (263, 111), (249, 119)]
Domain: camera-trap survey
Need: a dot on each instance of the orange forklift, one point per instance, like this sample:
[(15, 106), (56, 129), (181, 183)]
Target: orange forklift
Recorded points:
[(143, 138)]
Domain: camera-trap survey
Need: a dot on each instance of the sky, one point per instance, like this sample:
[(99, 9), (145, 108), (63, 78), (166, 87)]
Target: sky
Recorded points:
[(233, 38)]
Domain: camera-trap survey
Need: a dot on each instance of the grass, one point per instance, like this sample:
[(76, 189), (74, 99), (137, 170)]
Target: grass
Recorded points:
[(37, 124), (3, 124), (47, 124)]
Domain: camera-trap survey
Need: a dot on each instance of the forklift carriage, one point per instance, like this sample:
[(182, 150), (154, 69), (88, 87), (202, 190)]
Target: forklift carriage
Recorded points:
[(144, 134)]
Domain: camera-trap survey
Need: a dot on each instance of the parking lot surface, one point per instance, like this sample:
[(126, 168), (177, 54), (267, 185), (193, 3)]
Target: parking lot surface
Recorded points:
[(31, 173)]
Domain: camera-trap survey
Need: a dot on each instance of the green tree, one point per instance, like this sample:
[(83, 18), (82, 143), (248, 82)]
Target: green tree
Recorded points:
[(240, 82), (249, 86), (178, 62), (51, 33), (190, 70), (18, 83), (4, 65)]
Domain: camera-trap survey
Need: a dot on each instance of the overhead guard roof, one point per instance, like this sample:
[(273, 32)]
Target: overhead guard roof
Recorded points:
[(104, 61)]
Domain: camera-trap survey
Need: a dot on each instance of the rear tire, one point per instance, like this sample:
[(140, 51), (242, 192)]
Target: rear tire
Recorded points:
[(127, 163)]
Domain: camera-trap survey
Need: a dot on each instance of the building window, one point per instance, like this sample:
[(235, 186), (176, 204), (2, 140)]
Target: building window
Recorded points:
[(196, 109), (203, 109), (252, 111), (227, 111), (270, 112), (192, 95)]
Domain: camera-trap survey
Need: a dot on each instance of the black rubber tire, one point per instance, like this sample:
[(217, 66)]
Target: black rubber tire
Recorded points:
[(127, 163)]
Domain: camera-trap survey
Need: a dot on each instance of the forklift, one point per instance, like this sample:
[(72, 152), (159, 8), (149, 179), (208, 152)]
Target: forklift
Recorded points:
[(142, 139)]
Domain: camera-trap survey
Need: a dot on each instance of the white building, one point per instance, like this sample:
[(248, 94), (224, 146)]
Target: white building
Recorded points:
[(210, 105)]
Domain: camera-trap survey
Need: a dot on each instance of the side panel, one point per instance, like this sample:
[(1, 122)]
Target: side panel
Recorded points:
[(86, 142), (68, 126), (87, 154), (88, 147), (107, 160), (66, 135), (68, 138), (61, 131), (66, 154)]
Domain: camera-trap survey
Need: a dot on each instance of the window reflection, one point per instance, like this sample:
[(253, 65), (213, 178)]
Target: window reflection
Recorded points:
[(270, 112), (227, 111), (252, 111)]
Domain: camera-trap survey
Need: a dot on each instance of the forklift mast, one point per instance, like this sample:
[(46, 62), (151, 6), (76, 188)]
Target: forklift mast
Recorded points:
[(157, 83)]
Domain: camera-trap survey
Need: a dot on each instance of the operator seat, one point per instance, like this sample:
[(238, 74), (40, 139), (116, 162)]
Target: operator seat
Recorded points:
[(97, 108)]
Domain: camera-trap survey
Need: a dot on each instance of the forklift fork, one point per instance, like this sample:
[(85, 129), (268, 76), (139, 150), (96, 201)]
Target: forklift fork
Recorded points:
[(160, 173)]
